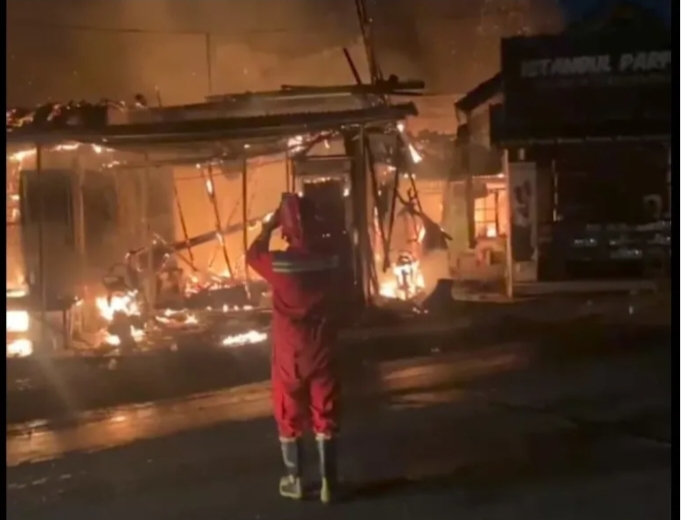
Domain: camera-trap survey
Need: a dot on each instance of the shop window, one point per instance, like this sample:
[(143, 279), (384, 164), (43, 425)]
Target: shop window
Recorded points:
[(486, 216)]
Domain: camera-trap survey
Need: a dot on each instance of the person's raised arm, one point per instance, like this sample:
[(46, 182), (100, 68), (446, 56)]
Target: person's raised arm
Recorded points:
[(258, 256)]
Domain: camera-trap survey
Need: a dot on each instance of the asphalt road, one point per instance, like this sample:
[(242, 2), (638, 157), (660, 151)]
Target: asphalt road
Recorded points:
[(61, 388), (570, 423)]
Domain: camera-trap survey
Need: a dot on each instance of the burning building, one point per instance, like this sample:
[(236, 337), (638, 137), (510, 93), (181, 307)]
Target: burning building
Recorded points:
[(140, 221)]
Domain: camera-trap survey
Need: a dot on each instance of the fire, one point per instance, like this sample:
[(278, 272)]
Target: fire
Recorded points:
[(19, 348), (211, 281), (408, 281), (114, 340), (117, 304), (245, 338), (125, 303), (17, 293), (415, 156), (22, 155), (17, 321), (171, 317), (295, 144)]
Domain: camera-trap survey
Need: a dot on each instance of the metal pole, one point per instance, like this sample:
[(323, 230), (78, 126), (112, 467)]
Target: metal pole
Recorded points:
[(245, 215), (41, 246), (509, 227)]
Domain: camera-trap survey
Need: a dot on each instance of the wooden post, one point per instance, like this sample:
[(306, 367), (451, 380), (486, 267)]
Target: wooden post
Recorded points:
[(509, 231)]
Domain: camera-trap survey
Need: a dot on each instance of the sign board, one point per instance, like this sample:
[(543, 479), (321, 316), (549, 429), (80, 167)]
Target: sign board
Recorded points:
[(594, 85)]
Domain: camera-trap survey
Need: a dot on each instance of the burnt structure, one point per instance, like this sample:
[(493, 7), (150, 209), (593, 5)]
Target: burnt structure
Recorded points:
[(590, 110), (227, 130)]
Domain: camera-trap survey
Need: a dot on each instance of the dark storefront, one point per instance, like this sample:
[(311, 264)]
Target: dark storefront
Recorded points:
[(593, 111)]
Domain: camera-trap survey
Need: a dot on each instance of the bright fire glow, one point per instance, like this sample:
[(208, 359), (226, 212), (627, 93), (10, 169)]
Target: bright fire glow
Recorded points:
[(245, 338), (415, 156), (114, 340), (171, 317), (407, 283), (21, 155), (125, 303), (295, 144), (19, 348), (17, 321)]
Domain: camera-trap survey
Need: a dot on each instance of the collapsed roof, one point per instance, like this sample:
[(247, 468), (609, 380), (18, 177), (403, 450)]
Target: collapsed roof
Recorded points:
[(242, 117)]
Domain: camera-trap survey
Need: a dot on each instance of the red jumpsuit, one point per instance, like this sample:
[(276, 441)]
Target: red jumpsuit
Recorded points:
[(304, 330)]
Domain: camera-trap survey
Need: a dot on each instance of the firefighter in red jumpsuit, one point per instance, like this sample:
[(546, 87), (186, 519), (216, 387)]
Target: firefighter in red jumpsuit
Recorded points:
[(304, 387)]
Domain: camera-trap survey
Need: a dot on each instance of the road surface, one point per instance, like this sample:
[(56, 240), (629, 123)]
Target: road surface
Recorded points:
[(576, 426), (63, 387)]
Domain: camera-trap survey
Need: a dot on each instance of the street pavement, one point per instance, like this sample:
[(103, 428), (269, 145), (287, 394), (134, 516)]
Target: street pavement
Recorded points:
[(63, 387), (575, 426)]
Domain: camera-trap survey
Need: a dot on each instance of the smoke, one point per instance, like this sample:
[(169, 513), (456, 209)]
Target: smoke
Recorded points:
[(91, 49)]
